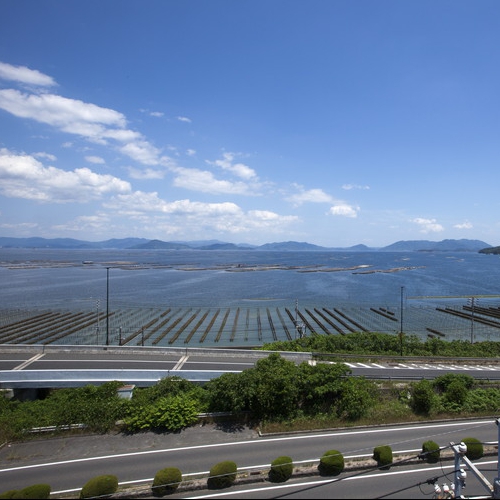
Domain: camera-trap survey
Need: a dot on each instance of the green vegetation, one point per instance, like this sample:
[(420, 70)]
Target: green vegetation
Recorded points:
[(431, 452), (386, 344), (383, 456), (166, 481), (331, 463), (99, 486), (281, 469), (222, 475), (475, 449), (35, 491)]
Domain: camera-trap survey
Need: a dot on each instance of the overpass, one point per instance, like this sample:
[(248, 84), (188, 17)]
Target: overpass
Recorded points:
[(21, 376)]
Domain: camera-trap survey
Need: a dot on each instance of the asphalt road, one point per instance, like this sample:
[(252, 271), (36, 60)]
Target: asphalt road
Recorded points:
[(75, 367), (67, 463)]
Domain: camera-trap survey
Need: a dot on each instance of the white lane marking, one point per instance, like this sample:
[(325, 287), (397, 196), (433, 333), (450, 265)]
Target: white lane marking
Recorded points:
[(181, 361), (29, 361), (250, 442)]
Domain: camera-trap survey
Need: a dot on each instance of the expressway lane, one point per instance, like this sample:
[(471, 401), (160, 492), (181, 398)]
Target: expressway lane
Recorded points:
[(145, 366)]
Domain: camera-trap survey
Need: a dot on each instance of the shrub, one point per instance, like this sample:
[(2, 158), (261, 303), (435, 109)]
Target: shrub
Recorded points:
[(423, 398), (99, 486), (430, 452), (331, 463), (222, 475), (35, 491), (166, 481), (383, 456), (475, 449), (281, 469), (8, 494)]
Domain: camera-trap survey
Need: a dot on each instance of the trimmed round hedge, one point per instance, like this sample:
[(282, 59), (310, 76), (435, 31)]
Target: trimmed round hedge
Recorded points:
[(99, 486), (431, 452), (166, 481), (281, 469), (331, 463), (35, 491), (383, 456), (222, 475), (475, 449)]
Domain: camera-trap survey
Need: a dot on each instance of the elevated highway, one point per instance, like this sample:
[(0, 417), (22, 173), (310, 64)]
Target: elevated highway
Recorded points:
[(56, 366)]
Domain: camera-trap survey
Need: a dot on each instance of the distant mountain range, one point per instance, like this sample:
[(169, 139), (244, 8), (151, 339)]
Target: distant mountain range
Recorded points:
[(462, 245)]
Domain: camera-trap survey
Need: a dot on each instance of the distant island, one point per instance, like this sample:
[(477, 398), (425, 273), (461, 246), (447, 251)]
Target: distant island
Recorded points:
[(491, 250), (449, 245)]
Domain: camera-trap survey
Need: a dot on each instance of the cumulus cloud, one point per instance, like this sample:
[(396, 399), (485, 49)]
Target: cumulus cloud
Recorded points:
[(309, 196), (186, 216), (146, 173), (344, 210), (428, 225), (463, 225), (239, 169), (22, 74), (95, 159), (204, 181), (184, 119), (93, 123), (23, 176)]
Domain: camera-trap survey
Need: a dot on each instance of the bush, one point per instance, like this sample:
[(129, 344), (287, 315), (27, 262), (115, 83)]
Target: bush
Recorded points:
[(430, 452), (475, 449), (166, 481), (331, 463), (35, 491), (423, 399), (222, 475), (8, 494), (281, 469), (99, 486), (383, 456)]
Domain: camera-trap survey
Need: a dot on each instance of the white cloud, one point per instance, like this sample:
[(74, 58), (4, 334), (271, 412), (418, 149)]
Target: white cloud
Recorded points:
[(57, 111), (239, 169), (463, 225), (188, 217), (309, 196), (46, 156), (22, 74), (348, 187), (146, 173), (344, 210), (157, 114), (95, 159), (428, 225), (22, 176), (205, 182), (184, 119), (94, 123)]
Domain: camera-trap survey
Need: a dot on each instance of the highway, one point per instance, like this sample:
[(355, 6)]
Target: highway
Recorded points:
[(195, 451), (72, 366)]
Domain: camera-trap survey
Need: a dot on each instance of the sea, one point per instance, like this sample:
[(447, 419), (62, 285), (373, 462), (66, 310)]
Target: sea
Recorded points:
[(148, 278), (118, 279)]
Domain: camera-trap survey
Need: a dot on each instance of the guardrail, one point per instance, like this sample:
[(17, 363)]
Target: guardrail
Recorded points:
[(37, 379), (181, 351)]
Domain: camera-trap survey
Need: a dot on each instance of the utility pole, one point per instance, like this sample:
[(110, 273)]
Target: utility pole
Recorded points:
[(461, 462), (401, 321), (472, 303), (107, 306)]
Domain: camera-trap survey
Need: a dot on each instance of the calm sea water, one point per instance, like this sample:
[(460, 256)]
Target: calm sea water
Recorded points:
[(44, 278)]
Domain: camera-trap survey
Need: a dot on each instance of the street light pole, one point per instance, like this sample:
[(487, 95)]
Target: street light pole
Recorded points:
[(401, 321), (107, 306)]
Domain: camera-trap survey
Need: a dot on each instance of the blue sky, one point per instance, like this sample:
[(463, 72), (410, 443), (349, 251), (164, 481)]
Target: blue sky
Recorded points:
[(335, 122)]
